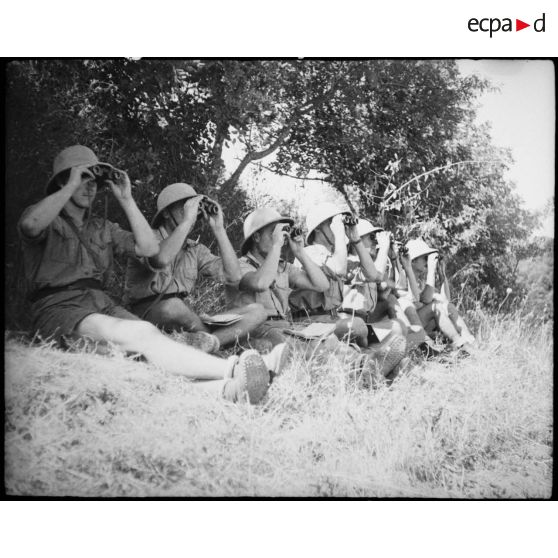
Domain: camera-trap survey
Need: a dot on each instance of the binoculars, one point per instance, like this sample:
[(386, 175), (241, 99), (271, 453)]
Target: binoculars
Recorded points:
[(349, 219), (293, 231), (209, 206), (103, 173), (401, 247)]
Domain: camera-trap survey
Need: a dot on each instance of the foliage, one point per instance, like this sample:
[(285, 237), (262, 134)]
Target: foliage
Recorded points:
[(396, 136), (536, 275)]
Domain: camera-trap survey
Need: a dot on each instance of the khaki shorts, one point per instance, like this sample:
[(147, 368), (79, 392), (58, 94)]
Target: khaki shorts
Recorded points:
[(57, 315)]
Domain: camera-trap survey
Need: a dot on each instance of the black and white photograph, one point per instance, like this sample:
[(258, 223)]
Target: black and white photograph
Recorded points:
[(312, 278)]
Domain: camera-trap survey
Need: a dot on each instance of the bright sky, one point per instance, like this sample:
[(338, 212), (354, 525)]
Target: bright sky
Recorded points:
[(523, 117)]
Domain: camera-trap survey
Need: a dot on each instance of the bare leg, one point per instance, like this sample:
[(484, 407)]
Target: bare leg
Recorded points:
[(272, 331), (253, 316), (353, 327), (417, 334), (173, 314), (437, 311), (142, 337), (459, 323), (411, 313), (400, 314)]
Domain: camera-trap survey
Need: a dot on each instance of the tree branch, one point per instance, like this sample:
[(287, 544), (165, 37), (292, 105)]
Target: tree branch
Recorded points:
[(290, 175), (252, 156), (256, 155), (443, 167), (216, 151)]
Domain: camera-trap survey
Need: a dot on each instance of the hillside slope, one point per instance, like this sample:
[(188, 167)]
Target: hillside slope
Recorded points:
[(87, 425)]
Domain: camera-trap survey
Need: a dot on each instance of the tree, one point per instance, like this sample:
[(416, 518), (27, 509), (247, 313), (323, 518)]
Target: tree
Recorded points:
[(397, 138)]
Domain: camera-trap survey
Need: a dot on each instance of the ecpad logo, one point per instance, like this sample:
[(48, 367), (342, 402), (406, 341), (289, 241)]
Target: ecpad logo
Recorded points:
[(494, 24)]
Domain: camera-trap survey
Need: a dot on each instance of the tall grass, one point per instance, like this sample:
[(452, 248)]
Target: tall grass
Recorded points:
[(87, 425)]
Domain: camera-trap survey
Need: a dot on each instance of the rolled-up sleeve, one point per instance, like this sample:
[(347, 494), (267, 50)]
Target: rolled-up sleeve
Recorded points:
[(210, 265), (28, 239)]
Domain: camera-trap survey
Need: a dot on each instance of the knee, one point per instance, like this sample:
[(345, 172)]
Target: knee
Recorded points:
[(440, 308), (257, 312), (452, 310), (358, 327)]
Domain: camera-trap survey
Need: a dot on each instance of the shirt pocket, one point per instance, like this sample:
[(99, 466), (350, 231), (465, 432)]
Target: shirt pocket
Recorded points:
[(63, 247)]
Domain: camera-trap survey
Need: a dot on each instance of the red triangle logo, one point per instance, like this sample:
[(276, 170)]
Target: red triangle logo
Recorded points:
[(519, 25)]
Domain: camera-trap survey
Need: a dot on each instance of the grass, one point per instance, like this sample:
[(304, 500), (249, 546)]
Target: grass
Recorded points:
[(81, 424)]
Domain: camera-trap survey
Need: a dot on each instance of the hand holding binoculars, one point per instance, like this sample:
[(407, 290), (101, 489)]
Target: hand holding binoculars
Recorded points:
[(399, 247), (209, 206), (292, 231), (104, 173), (350, 219)]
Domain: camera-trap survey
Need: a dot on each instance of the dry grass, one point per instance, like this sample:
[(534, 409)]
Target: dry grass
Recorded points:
[(88, 425)]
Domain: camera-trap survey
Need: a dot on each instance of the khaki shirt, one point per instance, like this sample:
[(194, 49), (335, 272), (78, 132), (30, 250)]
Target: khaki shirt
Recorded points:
[(180, 276), (275, 299), (360, 294), (57, 258), (309, 300)]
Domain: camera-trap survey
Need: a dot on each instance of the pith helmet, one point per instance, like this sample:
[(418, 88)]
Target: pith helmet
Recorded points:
[(171, 194), (259, 219), (320, 213), (418, 248), (365, 227), (72, 156)]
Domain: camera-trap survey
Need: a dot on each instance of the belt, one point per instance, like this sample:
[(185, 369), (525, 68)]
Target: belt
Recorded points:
[(277, 318), (81, 284), (314, 312)]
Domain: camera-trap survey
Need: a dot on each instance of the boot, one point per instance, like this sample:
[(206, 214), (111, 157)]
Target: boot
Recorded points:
[(247, 379)]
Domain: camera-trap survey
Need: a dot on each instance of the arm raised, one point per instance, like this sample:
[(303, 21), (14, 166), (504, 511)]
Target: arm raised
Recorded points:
[(231, 267), (170, 246), (146, 241), (313, 278), (366, 262), (39, 216), (261, 279)]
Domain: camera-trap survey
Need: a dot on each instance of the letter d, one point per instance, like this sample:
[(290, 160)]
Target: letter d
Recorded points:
[(541, 30)]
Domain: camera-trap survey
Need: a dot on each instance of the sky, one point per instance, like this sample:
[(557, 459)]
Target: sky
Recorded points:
[(522, 116)]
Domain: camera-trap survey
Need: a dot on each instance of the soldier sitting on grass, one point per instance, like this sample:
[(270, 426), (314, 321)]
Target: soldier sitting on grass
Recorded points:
[(66, 257), (326, 234), (387, 299), (267, 278), (158, 287), (434, 308)]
